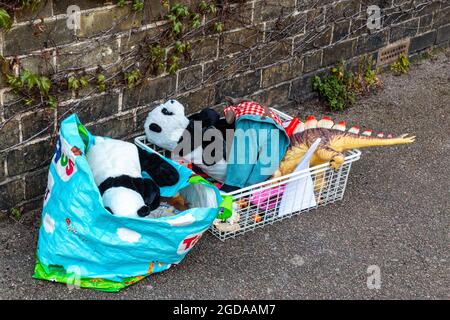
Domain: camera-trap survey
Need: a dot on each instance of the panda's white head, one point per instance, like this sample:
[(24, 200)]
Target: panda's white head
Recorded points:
[(165, 124)]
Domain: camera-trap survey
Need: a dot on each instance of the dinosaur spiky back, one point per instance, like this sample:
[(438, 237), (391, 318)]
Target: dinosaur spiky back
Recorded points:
[(326, 122)]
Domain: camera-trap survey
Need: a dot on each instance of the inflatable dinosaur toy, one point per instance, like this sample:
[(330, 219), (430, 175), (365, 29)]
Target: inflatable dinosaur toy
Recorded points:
[(335, 140)]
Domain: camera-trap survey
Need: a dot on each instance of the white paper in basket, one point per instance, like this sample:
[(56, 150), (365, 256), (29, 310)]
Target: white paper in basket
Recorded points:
[(299, 194)]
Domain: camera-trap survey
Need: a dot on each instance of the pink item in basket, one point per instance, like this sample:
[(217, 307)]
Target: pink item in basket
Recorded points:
[(267, 199)]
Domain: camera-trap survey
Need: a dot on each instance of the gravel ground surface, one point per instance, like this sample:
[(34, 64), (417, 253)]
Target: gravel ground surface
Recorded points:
[(395, 214)]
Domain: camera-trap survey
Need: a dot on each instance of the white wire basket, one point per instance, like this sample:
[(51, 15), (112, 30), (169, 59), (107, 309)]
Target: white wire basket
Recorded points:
[(274, 200)]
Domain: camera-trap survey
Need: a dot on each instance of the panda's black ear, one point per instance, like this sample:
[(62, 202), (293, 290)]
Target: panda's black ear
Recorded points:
[(143, 211), (207, 116), (162, 172)]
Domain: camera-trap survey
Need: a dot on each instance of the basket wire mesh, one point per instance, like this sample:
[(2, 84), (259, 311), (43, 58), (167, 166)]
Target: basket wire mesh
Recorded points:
[(259, 205)]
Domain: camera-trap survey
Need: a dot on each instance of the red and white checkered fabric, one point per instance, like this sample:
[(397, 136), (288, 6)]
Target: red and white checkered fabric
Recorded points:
[(251, 107)]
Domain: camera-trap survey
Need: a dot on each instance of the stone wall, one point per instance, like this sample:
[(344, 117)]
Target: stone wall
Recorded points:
[(267, 47)]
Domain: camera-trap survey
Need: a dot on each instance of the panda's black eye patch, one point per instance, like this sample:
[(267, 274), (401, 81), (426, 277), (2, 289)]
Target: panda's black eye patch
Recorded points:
[(155, 128), (166, 112)]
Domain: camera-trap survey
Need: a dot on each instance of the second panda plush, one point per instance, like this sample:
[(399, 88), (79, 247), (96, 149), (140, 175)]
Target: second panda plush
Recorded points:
[(117, 168), (167, 127)]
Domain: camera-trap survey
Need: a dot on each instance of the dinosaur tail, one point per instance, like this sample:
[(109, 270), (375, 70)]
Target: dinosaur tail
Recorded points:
[(352, 137), (354, 141)]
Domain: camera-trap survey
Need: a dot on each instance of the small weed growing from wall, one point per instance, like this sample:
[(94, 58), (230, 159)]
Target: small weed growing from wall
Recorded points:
[(15, 214), (401, 66), (101, 82), (340, 88), (74, 84), (5, 20), (370, 75), (32, 86), (334, 89), (131, 78)]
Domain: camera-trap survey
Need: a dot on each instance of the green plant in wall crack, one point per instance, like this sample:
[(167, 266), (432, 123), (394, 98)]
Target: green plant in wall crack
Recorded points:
[(156, 56), (173, 64), (15, 214), (158, 63), (5, 20), (174, 60), (180, 20), (183, 48), (207, 7), (51, 102), (74, 84), (218, 27), (370, 76), (32, 80), (131, 78), (179, 10), (29, 101), (334, 88), (210, 8), (176, 15), (401, 66), (101, 82), (137, 5), (340, 88), (32, 86), (195, 20), (366, 77)]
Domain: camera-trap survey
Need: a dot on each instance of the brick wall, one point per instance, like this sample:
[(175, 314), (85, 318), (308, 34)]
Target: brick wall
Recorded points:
[(267, 47)]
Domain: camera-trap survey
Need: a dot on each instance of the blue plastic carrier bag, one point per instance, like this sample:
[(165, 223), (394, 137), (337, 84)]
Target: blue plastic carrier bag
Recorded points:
[(83, 244)]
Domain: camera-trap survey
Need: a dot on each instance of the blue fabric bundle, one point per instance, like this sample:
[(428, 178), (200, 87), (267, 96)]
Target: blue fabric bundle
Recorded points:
[(258, 146)]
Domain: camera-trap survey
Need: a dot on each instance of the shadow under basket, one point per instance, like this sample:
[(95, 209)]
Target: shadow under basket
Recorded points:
[(273, 200)]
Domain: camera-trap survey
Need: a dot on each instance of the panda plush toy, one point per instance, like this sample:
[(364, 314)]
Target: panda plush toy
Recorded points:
[(167, 127), (117, 169)]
